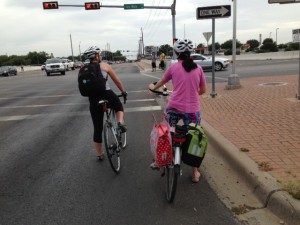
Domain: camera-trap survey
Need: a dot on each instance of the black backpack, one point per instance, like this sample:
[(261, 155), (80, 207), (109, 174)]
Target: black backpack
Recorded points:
[(91, 83)]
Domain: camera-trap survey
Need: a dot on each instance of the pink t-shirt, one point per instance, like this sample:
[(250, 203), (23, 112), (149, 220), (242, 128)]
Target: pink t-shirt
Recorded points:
[(186, 86)]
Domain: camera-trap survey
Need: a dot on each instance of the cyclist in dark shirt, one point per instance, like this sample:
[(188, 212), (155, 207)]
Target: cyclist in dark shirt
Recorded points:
[(94, 55)]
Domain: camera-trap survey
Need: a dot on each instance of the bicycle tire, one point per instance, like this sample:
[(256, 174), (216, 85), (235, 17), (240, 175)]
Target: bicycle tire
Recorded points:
[(123, 140), (172, 177), (111, 147)]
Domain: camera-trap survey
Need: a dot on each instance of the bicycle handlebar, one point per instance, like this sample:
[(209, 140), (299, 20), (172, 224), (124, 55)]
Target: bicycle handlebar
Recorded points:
[(124, 97), (165, 91)]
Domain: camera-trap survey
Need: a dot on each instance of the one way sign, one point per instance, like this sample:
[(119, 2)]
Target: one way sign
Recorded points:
[(210, 12)]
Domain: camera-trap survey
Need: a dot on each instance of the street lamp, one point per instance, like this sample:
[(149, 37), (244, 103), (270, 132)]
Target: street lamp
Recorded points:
[(276, 35), (80, 52)]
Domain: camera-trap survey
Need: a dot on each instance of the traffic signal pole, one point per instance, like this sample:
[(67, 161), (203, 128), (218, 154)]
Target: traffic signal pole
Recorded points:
[(136, 6)]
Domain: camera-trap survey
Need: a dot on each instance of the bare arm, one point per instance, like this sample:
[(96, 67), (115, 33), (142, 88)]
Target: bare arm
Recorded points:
[(202, 90), (157, 85)]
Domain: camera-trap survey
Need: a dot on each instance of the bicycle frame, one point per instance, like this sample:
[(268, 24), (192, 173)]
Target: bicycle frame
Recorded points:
[(111, 120)]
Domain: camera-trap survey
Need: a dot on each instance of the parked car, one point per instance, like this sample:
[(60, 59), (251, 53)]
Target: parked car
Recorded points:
[(68, 64), (78, 64), (55, 66), (43, 66), (8, 70), (206, 62)]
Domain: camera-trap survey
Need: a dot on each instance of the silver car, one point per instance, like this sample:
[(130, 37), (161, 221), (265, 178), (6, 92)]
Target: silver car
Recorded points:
[(206, 62)]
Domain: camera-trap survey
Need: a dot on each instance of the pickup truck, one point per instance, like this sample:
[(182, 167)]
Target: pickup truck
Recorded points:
[(68, 64), (55, 66)]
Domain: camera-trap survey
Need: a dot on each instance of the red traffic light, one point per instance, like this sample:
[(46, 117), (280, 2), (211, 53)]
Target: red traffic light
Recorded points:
[(50, 5), (92, 5)]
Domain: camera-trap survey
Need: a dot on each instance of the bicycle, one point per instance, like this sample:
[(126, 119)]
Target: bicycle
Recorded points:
[(115, 141), (178, 135)]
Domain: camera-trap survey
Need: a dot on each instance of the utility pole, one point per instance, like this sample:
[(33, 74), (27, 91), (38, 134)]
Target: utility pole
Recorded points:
[(143, 47), (80, 52), (71, 47)]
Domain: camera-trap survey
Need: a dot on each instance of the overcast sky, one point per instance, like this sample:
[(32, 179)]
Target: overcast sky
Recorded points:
[(26, 27)]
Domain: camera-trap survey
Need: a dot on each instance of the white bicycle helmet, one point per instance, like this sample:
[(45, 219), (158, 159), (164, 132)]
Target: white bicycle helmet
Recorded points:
[(183, 45), (91, 52)]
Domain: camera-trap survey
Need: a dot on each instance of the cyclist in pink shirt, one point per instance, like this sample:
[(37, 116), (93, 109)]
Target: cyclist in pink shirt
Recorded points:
[(189, 82)]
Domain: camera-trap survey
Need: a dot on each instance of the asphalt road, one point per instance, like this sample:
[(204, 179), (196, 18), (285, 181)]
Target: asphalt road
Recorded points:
[(257, 68), (49, 173)]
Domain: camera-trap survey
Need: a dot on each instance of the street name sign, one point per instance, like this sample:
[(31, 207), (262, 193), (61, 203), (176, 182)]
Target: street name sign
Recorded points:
[(283, 1), (296, 36), (134, 6), (211, 12)]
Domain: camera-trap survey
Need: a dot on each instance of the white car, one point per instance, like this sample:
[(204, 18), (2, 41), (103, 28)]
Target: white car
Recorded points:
[(206, 62), (55, 66)]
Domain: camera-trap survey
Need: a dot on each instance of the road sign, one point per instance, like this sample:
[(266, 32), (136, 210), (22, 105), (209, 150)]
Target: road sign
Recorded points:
[(283, 1), (207, 35), (133, 6), (211, 12), (296, 35)]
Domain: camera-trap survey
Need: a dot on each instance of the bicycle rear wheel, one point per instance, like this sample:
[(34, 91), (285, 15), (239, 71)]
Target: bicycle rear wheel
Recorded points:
[(172, 177), (111, 147)]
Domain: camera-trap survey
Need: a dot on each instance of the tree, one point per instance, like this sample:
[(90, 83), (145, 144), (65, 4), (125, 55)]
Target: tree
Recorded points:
[(167, 49), (37, 57), (217, 46), (228, 44), (202, 50), (253, 44), (269, 45)]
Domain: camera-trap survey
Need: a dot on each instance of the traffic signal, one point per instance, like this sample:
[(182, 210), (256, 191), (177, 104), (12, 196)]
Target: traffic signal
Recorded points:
[(50, 5), (92, 5)]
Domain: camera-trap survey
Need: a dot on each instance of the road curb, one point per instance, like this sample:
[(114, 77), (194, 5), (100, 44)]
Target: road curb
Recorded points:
[(264, 186)]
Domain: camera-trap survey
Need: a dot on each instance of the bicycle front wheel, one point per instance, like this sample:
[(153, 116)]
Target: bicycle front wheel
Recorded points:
[(172, 177), (123, 140), (111, 147)]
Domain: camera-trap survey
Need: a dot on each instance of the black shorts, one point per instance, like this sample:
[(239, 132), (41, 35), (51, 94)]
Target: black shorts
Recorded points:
[(97, 113)]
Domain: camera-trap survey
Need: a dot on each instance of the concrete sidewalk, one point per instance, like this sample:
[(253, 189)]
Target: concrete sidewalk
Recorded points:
[(257, 129)]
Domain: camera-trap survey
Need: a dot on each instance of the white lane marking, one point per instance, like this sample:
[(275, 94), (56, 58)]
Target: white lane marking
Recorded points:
[(53, 96), (147, 75), (84, 113), (66, 104), (48, 96)]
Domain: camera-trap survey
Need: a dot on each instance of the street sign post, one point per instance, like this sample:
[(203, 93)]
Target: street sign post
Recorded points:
[(134, 6), (296, 38), (210, 12), (213, 12)]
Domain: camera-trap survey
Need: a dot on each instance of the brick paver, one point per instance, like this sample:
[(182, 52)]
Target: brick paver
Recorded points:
[(261, 119)]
